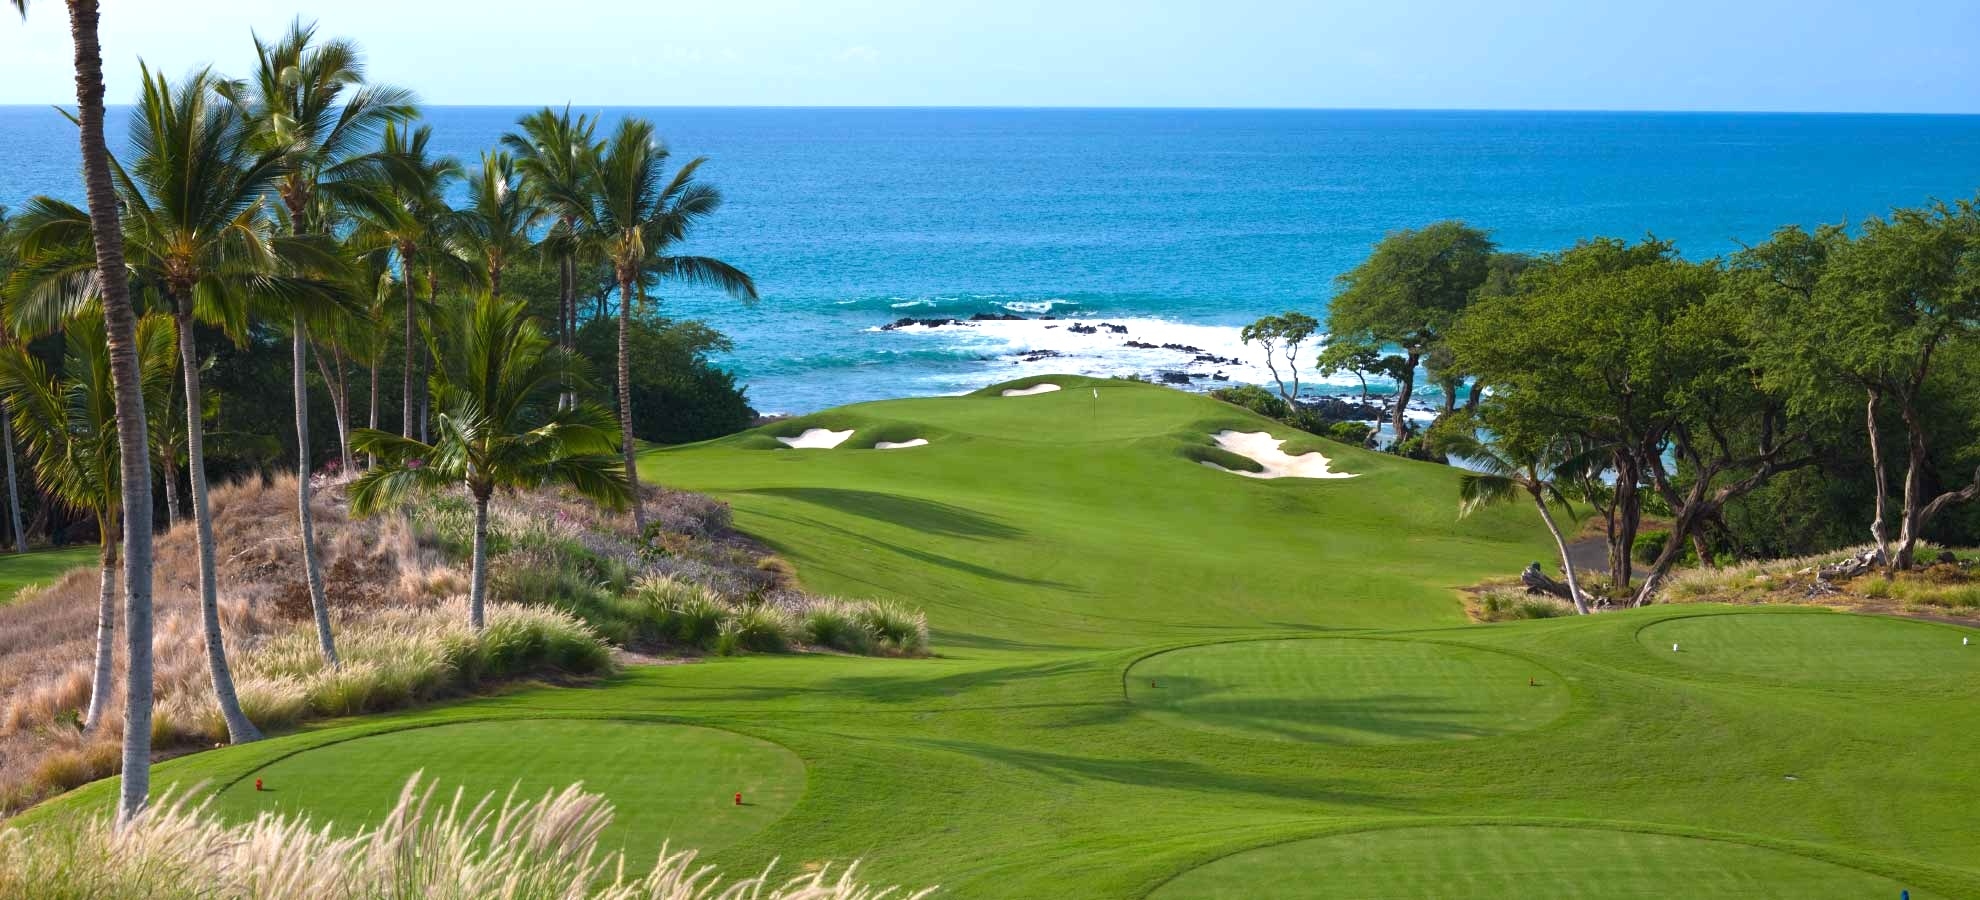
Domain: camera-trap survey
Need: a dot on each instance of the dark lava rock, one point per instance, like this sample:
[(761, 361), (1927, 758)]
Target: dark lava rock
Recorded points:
[(925, 323), (996, 317), (1175, 377)]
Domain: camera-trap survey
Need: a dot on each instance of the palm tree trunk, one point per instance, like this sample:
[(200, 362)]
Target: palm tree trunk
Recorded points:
[(371, 459), (169, 472), (478, 584), (333, 380), (133, 450), (1567, 562), (412, 341), (426, 359), (239, 729), (13, 485), (106, 627), (625, 402), (566, 320), (311, 571)]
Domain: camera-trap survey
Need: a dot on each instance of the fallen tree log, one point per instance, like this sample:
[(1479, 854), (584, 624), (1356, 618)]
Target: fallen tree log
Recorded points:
[(1539, 582)]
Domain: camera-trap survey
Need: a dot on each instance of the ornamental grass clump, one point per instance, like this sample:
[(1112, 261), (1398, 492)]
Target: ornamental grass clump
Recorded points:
[(431, 846)]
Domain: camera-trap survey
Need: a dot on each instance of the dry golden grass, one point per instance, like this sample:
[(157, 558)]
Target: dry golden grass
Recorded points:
[(394, 600), (433, 848), (1939, 589)]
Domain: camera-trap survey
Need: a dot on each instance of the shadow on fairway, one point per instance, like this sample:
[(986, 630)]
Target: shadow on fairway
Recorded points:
[(1170, 773), (923, 556), (1356, 721), (927, 516)]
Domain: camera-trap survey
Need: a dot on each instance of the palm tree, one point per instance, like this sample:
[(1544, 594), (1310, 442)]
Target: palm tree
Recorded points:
[(69, 425), (120, 335), (1508, 467), (557, 158), (401, 209), (641, 216), (6, 423), (313, 111), (498, 427), (495, 225)]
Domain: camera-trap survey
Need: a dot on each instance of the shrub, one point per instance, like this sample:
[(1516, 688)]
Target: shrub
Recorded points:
[(1353, 433), (897, 627), (838, 626), (757, 629), (425, 847), (1254, 398), (1508, 604)]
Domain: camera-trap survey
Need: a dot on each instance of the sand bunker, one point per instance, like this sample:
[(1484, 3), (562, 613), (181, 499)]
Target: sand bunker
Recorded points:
[(1045, 388), (1260, 447), (900, 445), (817, 439)]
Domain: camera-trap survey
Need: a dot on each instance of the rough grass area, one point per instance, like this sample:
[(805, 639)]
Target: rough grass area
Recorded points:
[(1945, 584), (398, 611), (429, 844)]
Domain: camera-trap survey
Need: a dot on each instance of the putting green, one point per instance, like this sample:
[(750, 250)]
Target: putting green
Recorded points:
[(667, 782), (1814, 647), (1456, 862), (1347, 691)]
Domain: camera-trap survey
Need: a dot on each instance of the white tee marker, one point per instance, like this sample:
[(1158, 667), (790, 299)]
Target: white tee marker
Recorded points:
[(1674, 648)]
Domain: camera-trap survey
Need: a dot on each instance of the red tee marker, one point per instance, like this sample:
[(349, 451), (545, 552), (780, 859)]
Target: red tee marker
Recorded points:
[(257, 784), (738, 799)]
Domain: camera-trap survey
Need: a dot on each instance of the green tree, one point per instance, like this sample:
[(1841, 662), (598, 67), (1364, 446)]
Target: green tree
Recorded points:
[(312, 109), (683, 396), (499, 427), (1408, 294), (1280, 337), (120, 334), (1874, 316), (69, 426), (641, 217), (1508, 465)]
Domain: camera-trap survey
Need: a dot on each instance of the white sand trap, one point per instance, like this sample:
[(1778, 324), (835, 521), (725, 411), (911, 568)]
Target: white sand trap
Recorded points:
[(900, 445), (817, 439), (1260, 447), (1045, 388)]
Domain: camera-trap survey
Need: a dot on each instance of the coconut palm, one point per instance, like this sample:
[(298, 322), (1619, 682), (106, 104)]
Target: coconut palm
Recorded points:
[(499, 427), (400, 209), (557, 158), (496, 224), (640, 217), (6, 424), (69, 426), (1505, 468), (313, 111), (120, 334)]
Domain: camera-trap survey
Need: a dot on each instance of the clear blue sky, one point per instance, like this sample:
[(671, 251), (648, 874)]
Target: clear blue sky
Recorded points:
[(1890, 56)]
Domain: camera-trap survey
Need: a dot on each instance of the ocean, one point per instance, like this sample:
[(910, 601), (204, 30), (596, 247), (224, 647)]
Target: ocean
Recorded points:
[(1177, 225)]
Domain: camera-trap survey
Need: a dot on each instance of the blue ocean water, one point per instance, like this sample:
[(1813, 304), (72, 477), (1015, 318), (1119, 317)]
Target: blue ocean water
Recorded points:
[(1178, 224)]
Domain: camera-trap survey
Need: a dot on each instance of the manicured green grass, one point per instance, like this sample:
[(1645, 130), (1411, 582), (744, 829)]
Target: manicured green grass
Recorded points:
[(39, 567), (1347, 691), (684, 779), (1488, 863), (1829, 649), (1065, 547)]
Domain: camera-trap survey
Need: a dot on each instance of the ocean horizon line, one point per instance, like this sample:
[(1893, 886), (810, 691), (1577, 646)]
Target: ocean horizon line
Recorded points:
[(1157, 108)]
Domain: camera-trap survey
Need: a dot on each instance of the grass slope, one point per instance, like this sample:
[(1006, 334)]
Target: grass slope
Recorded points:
[(1067, 547), (39, 567)]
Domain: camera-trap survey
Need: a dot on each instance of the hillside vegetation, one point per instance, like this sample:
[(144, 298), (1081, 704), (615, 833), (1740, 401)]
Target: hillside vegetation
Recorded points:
[(1154, 678)]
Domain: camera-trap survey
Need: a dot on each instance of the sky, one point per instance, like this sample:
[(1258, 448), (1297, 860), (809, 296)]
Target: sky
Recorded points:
[(1771, 55)]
